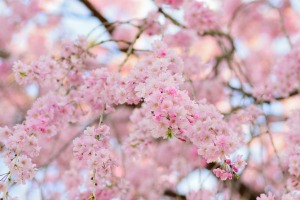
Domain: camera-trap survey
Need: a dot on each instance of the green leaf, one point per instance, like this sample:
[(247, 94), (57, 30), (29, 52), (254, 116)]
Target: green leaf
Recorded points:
[(23, 74), (169, 133), (236, 176), (91, 197)]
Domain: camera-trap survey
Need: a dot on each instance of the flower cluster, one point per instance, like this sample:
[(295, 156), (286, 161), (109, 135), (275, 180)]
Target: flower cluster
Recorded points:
[(93, 150), (37, 71), (212, 134), (246, 116), (283, 80), (23, 168), (183, 38), (168, 99), (43, 118), (230, 169), (137, 144), (22, 142), (171, 113), (173, 3), (80, 188), (150, 176), (291, 195), (152, 25), (18, 148), (168, 113), (164, 69), (293, 140), (222, 174), (269, 196), (55, 71), (199, 17), (107, 85)]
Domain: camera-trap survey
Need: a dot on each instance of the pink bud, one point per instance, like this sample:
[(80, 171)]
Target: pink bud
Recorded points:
[(173, 115), (172, 91), (43, 129), (195, 116), (182, 139), (229, 176), (162, 54), (234, 168), (157, 117), (191, 121)]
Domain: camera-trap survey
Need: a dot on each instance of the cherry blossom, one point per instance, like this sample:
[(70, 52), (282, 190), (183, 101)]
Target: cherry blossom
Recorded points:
[(163, 99)]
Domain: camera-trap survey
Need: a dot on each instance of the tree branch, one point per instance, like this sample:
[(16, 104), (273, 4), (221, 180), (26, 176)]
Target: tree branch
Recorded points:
[(4, 54), (108, 26), (257, 101), (241, 188), (171, 193)]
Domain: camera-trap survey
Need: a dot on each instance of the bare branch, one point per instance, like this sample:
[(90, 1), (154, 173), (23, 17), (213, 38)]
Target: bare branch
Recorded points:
[(4, 54), (109, 26)]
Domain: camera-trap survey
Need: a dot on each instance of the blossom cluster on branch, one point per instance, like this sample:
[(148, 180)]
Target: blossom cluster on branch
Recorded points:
[(181, 101)]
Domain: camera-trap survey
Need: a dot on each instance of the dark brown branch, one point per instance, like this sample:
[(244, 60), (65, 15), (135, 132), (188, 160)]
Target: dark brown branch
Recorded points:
[(4, 54), (171, 193), (108, 26), (240, 187), (174, 21), (246, 191), (225, 35), (257, 101), (227, 53)]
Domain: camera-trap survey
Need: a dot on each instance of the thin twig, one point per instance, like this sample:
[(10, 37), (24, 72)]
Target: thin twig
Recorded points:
[(130, 48)]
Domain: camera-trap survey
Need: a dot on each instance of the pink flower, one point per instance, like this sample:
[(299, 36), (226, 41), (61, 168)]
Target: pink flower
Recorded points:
[(93, 149), (270, 196), (239, 163), (23, 168), (222, 174), (199, 16), (173, 3)]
